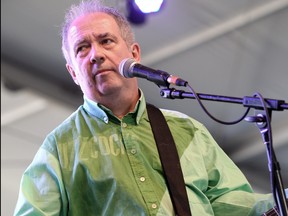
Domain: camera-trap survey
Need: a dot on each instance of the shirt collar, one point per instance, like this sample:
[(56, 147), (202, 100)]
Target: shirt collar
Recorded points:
[(105, 114)]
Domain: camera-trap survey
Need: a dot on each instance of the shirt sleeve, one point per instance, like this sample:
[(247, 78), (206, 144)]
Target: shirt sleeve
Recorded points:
[(228, 189), (41, 188)]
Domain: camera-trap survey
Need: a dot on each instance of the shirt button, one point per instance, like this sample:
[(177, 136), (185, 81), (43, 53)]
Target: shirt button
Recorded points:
[(142, 179), (133, 151), (154, 206), (105, 119), (124, 125)]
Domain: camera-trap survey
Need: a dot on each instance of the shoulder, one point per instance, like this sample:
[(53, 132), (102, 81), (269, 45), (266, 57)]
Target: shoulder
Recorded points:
[(70, 122), (180, 117), (66, 129), (184, 123)]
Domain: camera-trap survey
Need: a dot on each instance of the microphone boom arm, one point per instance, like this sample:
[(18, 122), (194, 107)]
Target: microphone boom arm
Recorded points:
[(247, 101)]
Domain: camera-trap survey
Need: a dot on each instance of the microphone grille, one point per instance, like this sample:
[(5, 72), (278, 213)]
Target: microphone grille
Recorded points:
[(125, 67)]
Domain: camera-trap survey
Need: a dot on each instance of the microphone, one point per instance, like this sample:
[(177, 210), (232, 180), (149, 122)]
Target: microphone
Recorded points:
[(129, 68)]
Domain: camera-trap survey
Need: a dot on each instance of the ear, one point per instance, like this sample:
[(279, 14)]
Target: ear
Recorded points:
[(136, 52), (72, 73)]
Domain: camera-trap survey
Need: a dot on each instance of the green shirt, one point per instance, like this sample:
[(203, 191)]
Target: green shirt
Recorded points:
[(96, 164)]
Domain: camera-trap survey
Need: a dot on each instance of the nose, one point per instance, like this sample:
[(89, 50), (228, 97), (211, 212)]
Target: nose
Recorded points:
[(97, 56)]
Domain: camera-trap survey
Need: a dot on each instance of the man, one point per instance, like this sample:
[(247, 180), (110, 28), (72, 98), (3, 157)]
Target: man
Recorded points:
[(103, 159)]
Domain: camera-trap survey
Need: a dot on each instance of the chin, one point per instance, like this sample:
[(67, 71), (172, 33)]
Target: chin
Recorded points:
[(109, 89)]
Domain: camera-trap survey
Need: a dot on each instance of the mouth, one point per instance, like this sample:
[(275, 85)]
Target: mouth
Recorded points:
[(102, 71)]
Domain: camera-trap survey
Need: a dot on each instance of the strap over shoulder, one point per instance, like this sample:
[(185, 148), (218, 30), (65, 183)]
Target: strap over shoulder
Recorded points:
[(170, 161)]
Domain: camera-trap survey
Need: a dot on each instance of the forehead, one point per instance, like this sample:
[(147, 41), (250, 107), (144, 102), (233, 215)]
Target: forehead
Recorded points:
[(95, 22)]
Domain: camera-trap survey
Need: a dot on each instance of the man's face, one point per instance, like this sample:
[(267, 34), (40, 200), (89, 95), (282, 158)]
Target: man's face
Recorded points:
[(96, 50)]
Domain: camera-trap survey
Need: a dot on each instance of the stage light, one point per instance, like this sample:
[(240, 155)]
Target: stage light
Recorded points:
[(149, 6), (139, 9)]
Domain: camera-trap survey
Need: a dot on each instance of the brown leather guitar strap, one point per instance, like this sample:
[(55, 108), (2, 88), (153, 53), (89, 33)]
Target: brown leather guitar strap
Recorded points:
[(170, 161)]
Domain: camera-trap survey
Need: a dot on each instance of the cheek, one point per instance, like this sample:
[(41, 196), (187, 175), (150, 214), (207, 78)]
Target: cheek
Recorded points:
[(83, 70)]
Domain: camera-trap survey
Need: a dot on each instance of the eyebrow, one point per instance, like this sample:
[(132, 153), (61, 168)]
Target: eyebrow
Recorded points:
[(96, 36), (104, 35)]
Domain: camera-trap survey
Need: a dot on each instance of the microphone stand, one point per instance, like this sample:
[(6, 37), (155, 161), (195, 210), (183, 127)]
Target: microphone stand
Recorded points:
[(262, 120)]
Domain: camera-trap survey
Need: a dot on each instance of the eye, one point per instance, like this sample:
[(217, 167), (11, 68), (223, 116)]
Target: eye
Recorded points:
[(107, 41), (81, 48)]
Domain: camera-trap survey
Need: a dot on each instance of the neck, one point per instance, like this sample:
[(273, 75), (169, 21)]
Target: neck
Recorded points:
[(121, 105)]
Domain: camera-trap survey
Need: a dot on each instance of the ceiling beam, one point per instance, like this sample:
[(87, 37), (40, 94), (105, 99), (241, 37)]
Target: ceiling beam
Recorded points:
[(16, 75), (214, 32)]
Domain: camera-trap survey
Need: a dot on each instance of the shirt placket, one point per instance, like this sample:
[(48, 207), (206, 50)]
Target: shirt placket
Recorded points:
[(143, 181)]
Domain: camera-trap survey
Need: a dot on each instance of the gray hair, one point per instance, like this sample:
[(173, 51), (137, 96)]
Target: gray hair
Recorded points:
[(93, 6)]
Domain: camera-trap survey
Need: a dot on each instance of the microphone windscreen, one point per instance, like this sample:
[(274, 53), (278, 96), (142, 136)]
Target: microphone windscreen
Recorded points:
[(125, 67)]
